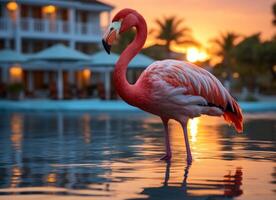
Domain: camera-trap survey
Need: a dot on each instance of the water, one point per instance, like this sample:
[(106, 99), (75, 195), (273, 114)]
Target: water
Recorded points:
[(116, 156)]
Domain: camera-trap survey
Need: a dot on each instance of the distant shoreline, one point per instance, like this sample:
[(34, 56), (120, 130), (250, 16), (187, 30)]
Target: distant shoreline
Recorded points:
[(99, 105)]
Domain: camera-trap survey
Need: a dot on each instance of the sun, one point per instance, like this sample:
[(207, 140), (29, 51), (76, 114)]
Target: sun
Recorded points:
[(193, 55)]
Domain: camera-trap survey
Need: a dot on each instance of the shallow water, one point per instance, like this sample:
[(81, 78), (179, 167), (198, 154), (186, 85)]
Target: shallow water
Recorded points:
[(67, 155)]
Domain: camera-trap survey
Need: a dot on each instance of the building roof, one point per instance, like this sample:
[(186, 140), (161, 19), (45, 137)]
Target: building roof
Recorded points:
[(61, 53), (10, 56), (96, 2), (80, 4), (141, 61), (103, 59), (92, 1)]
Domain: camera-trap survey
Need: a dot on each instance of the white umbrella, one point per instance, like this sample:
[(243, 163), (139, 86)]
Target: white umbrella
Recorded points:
[(8, 56), (106, 62), (103, 59), (140, 61), (59, 54)]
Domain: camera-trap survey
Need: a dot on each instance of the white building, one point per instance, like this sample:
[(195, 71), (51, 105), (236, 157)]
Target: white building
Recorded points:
[(29, 26), (32, 25)]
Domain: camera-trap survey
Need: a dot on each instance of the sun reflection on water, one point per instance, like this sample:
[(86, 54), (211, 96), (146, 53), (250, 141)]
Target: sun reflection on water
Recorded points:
[(15, 177), (52, 178), (193, 128), (16, 127), (121, 160), (202, 142), (86, 128)]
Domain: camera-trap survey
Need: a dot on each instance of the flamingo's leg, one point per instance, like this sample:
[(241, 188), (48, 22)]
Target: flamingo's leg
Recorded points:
[(188, 150), (168, 154)]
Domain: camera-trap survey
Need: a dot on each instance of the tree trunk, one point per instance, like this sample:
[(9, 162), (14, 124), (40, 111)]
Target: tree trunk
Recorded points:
[(168, 49)]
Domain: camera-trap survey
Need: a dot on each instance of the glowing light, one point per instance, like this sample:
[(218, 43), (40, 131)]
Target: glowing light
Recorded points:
[(86, 73), (49, 9), (86, 129), (236, 75), (193, 126), (15, 178), (12, 6), (16, 73), (17, 131), (202, 56), (52, 178), (274, 68), (194, 55)]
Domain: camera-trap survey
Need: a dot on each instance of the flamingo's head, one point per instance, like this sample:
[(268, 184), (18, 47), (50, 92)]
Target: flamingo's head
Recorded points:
[(122, 21)]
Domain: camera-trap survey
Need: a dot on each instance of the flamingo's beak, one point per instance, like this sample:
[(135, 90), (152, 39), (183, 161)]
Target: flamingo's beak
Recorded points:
[(106, 46), (111, 35)]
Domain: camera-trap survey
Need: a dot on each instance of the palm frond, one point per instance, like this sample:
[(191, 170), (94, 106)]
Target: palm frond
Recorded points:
[(184, 30), (189, 42), (160, 24), (171, 29), (177, 22)]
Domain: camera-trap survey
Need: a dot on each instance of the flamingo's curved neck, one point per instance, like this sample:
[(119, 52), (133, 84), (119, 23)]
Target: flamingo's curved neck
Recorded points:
[(124, 89)]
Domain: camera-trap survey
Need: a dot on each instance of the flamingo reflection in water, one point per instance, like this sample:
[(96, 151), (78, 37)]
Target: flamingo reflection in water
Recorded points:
[(229, 185)]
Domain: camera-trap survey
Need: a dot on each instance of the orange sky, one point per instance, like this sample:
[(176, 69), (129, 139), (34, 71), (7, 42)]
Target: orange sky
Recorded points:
[(208, 18)]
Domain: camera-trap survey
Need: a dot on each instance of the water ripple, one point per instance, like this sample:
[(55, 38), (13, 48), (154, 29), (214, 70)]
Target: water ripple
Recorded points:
[(112, 156)]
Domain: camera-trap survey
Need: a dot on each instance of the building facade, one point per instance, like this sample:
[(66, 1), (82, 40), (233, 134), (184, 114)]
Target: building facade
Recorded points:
[(29, 26)]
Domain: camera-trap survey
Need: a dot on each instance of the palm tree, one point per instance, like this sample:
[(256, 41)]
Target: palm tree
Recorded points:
[(171, 30), (274, 14), (225, 44), (274, 18), (249, 55)]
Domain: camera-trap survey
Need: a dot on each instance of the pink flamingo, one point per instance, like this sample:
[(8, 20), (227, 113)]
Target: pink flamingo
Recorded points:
[(170, 89)]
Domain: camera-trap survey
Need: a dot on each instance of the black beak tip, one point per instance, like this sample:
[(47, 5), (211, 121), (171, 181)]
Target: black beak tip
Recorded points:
[(107, 47)]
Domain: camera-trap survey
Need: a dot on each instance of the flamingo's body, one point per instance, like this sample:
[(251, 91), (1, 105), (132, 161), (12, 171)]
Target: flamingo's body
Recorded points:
[(170, 89)]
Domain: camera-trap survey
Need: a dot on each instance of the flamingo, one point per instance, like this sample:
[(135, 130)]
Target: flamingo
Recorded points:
[(170, 89)]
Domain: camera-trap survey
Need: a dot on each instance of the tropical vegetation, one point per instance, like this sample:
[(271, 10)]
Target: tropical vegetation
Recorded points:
[(171, 30), (246, 62)]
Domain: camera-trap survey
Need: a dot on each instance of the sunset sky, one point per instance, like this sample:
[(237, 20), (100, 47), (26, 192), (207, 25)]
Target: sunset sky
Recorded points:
[(208, 19)]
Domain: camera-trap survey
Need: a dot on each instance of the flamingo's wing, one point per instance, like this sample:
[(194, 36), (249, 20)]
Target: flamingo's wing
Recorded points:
[(185, 83), (176, 95)]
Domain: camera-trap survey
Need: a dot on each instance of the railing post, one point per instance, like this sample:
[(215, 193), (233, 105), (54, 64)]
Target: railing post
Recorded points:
[(5, 74), (60, 84), (30, 22), (72, 26), (58, 27), (30, 81), (7, 43), (46, 25), (107, 84), (17, 28)]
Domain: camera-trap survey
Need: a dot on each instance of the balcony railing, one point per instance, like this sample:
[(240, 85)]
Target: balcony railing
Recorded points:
[(5, 25), (88, 29), (43, 26)]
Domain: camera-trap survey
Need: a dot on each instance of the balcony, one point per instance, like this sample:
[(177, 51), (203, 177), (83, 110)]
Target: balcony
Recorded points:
[(44, 26), (50, 29), (6, 27)]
